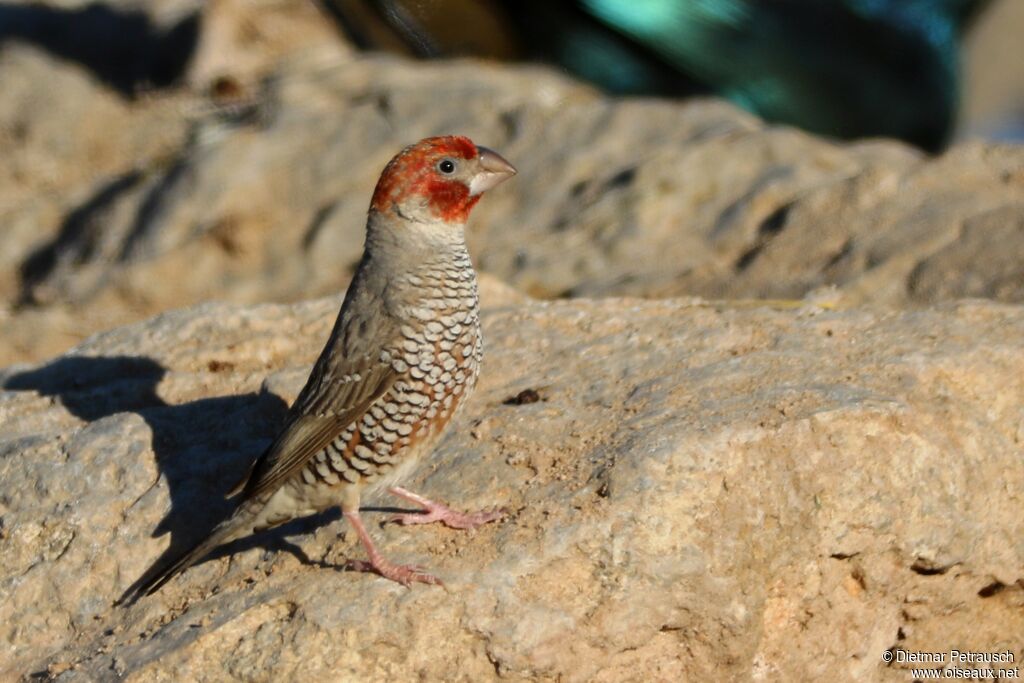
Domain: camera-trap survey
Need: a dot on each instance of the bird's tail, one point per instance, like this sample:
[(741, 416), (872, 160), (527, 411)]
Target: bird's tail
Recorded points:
[(161, 572)]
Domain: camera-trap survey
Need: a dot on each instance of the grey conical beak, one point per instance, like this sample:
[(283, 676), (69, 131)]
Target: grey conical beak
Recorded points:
[(494, 171)]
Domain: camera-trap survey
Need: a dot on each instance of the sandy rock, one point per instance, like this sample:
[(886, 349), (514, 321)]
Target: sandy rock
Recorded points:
[(993, 97), (60, 159), (702, 491), (950, 272), (242, 41), (81, 123), (264, 198)]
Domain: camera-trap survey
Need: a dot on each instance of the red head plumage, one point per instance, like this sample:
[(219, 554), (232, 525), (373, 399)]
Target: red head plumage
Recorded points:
[(414, 174)]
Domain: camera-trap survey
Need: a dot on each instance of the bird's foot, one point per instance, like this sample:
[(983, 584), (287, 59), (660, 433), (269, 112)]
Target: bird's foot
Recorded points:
[(450, 518), (405, 574), (438, 512)]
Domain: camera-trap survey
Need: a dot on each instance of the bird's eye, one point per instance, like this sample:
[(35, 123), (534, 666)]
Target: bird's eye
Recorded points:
[(446, 166)]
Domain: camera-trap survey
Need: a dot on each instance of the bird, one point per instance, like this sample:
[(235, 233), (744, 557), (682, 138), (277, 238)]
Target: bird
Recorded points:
[(842, 68), (401, 361)]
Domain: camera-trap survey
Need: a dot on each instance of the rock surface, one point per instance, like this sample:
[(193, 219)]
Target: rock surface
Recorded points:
[(703, 491), (73, 144), (696, 490), (255, 189)]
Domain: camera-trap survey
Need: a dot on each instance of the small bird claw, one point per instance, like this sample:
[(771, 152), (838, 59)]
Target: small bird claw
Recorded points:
[(405, 574), (450, 518), (439, 512)]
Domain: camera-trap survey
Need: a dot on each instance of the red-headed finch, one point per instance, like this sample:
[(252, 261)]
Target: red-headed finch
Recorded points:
[(401, 361)]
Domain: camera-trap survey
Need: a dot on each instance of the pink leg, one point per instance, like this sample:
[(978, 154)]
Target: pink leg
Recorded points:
[(437, 512), (402, 573)]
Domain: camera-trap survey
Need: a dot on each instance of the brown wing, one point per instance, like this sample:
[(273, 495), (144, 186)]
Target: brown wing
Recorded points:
[(327, 405), (348, 377)]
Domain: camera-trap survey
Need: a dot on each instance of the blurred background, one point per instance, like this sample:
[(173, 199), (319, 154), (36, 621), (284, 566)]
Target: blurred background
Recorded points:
[(163, 152), (845, 68)]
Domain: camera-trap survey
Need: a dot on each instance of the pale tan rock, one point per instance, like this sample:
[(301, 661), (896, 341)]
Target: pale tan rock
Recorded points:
[(264, 199), (244, 40), (703, 491), (59, 154), (74, 146), (993, 76)]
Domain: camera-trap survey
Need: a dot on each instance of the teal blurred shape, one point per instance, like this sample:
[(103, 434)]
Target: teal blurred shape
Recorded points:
[(845, 68)]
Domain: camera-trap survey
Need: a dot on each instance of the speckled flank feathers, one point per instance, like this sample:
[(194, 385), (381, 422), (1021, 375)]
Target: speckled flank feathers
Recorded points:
[(438, 361), (401, 361)]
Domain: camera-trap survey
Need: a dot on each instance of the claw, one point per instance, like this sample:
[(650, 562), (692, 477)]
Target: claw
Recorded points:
[(450, 518), (438, 512), (405, 574)]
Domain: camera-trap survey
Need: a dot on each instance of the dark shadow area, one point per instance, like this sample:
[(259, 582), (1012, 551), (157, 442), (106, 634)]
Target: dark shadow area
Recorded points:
[(201, 447), (87, 232), (79, 236), (122, 48), (276, 538)]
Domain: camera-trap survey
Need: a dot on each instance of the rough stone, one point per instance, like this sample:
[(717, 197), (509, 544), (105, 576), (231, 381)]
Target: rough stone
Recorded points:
[(259, 195), (702, 491), (73, 145)]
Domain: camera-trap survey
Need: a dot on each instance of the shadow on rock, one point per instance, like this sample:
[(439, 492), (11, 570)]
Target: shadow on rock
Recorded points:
[(201, 447), (85, 234), (124, 49)]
